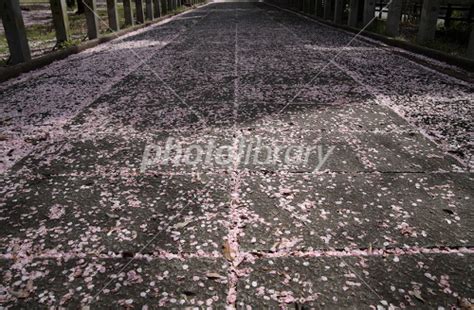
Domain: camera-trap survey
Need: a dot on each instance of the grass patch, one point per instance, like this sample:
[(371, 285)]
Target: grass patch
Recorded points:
[(3, 45), (39, 32)]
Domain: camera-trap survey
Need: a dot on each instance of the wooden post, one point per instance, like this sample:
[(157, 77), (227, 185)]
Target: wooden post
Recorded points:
[(312, 7), (381, 9), (164, 7), (415, 12), (428, 21), (338, 11), (393, 18), (369, 11), (319, 8), (447, 18), (157, 8), (15, 31), (91, 19), (470, 48), (113, 15), (140, 13), (353, 13), (149, 9), (60, 20), (327, 9), (127, 10)]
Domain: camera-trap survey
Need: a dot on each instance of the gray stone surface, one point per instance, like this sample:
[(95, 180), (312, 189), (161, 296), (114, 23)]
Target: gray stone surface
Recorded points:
[(105, 213), (385, 220), (356, 211), (160, 282), (412, 281)]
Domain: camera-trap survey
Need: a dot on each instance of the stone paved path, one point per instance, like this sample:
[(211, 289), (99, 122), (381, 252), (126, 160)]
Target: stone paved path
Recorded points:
[(387, 219)]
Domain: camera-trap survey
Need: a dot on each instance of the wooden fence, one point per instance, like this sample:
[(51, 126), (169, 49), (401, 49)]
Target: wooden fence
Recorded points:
[(12, 19), (413, 10), (362, 12)]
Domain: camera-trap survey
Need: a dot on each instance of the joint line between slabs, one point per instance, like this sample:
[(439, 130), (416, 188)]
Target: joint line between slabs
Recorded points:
[(260, 255), (135, 257), (233, 227)]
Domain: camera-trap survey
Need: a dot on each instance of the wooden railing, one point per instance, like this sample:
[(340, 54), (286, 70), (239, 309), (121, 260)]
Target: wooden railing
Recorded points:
[(445, 12), (15, 32), (361, 12)]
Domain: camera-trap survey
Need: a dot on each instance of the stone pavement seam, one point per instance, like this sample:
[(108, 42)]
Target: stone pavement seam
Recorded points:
[(133, 258), (235, 221), (255, 255), (247, 172), (232, 247)]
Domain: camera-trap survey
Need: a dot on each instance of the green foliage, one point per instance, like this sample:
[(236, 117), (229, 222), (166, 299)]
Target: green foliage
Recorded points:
[(40, 32), (69, 43), (3, 44)]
